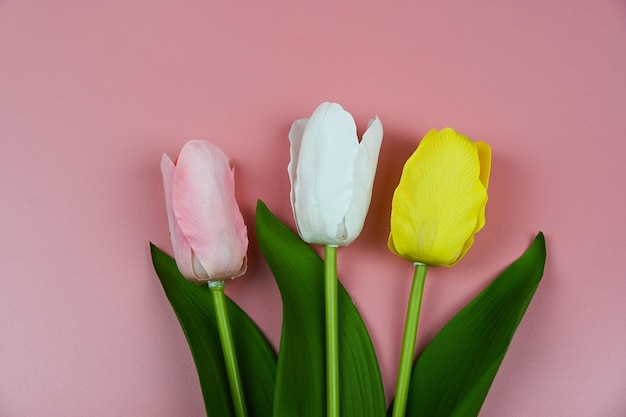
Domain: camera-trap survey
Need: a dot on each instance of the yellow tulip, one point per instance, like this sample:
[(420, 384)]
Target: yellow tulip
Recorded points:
[(439, 204)]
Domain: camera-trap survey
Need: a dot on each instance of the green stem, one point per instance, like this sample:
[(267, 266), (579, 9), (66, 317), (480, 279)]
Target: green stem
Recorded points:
[(332, 331), (228, 347), (408, 342)]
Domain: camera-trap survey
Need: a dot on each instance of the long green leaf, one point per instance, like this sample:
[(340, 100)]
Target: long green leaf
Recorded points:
[(300, 381), (194, 308), (452, 376)]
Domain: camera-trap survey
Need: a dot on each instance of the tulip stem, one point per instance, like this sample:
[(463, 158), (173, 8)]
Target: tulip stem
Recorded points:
[(332, 331), (228, 347), (408, 342)]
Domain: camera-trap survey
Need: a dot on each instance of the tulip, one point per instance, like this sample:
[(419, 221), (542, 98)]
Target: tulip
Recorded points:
[(208, 234), (439, 204), (332, 174), (436, 210), (207, 230)]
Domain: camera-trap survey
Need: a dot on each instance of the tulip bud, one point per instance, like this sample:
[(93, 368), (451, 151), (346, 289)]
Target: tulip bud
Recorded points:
[(439, 204), (208, 234), (332, 174)]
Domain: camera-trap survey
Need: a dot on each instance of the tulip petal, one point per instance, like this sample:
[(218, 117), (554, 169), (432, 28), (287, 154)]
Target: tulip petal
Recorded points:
[(323, 183), (484, 156), (295, 140), (182, 250), (438, 201), (205, 208), (364, 173)]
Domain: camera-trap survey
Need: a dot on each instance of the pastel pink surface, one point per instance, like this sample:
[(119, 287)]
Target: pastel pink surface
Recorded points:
[(93, 93)]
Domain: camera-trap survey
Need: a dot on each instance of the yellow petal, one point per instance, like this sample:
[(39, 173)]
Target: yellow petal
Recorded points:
[(439, 203), (484, 156)]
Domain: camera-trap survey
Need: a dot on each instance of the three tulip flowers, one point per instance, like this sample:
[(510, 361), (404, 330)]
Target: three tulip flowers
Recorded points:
[(437, 208)]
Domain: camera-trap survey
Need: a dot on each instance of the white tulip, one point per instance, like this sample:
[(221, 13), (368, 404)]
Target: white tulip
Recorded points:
[(332, 174)]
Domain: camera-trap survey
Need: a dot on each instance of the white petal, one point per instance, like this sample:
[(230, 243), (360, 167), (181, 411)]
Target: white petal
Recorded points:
[(364, 173), (295, 140), (323, 185)]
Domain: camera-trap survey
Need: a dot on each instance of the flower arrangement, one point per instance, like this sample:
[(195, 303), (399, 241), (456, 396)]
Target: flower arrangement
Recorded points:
[(326, 364)]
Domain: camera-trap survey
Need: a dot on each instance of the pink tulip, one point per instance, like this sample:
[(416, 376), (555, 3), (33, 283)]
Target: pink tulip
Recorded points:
[(208, 234)]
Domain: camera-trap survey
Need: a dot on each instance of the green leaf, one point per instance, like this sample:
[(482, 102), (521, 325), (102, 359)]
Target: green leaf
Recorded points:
[(193, 305), (300, 381), (454, 373)]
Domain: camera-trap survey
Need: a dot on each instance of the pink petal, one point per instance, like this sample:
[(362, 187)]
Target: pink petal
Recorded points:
[(182, 250)]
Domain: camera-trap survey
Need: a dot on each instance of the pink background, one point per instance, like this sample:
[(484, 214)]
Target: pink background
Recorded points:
[(92, 93)]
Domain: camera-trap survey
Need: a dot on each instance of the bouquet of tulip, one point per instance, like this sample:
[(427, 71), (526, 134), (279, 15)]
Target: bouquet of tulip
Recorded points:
[(326, 364)]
